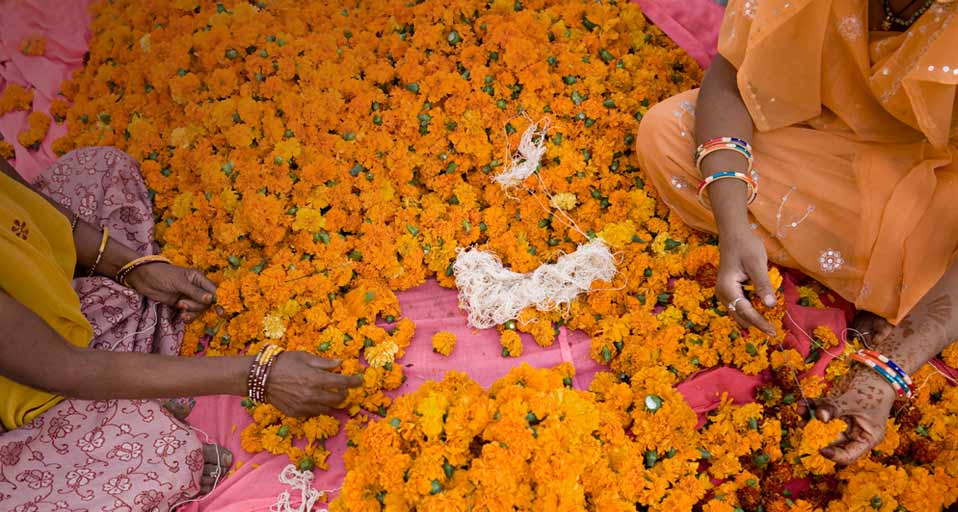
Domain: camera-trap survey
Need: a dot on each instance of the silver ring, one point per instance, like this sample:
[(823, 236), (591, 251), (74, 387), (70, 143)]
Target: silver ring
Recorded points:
[(731, 305)]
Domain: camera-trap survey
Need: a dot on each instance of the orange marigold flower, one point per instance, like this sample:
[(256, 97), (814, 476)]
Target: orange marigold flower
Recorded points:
[(443, 342)]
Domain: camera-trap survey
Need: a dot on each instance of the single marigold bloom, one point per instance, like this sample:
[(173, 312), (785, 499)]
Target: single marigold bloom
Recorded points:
[(443, 342)]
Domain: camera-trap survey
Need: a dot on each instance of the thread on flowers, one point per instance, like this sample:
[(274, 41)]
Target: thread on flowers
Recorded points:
[(297, 481), (525, 161), (492, 294)]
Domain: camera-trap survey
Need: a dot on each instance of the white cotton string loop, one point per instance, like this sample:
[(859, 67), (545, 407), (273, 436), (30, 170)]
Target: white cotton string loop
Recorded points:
[(297, 481), (526, 159), (492, 294)]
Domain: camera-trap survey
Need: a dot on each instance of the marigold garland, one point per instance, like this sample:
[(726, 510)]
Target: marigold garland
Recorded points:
[(267, 133)]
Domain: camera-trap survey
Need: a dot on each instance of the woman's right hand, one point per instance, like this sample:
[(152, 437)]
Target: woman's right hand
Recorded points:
[(742, 259), (302, 385)]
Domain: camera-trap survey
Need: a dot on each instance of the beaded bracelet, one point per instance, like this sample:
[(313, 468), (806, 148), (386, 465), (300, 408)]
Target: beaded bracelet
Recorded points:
[(724, 144), (127, 269), (259, 372), (891, 364), (752, 186), (99, 254), (890, 376)]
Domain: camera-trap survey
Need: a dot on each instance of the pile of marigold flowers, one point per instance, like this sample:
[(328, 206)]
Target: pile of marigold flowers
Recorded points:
[(313, 158)]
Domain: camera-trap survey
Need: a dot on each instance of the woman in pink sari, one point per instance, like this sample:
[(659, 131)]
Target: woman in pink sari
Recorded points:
[(81, 368)]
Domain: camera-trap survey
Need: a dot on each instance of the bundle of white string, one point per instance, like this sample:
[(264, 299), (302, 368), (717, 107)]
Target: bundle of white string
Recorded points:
[(297, 481), (526, 160), (492, 294)]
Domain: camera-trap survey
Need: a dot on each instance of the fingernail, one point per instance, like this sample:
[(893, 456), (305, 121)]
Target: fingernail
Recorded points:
[(827, 452), (228, 458), (770, 300), (208, 298)]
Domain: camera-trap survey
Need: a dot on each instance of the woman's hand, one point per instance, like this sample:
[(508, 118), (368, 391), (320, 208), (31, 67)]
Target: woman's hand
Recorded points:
[(864, 406), (186, 289), (742, 259), (301, 384)]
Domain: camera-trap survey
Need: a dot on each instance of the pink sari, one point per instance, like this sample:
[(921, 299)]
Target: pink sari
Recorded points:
[(127, 455)]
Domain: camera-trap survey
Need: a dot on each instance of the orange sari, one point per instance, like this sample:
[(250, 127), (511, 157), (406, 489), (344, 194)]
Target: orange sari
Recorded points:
[(855, 145)]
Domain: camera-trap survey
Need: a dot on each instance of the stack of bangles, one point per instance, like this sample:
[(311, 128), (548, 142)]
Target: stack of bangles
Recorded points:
[(259, 372), (887, 368), (726, 144), (124, 272)]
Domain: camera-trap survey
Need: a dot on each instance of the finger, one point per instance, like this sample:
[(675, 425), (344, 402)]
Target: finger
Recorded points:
[(758, 274), (825, 410), (206, 482), (190, 305), (194, 291), (727, 291), (331, 397), (321, 363), (745, 310), (848, 452), (336, 380), (198, 279)]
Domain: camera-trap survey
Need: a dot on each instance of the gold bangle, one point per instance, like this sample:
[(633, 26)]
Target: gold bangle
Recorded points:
[(99, 254), (125, 271)]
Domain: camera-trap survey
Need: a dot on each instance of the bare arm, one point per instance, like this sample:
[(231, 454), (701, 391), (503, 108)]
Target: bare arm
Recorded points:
[(721, 113), (86, 238), (32, 353)]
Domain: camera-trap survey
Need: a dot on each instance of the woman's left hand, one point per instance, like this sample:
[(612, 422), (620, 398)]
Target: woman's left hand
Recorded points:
[(186, 289)]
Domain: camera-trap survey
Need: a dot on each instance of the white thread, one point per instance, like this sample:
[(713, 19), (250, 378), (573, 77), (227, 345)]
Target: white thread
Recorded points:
[(298, 481), (526, 159), (156, 318), (218, 472), (492, 294)]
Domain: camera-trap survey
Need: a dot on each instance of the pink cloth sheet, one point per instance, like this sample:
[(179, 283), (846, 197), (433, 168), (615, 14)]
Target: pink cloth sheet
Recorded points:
[(66, 28), (433, 309), (692, 24), (255, 485)]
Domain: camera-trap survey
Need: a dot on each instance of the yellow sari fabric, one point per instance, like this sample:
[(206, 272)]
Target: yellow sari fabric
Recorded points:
[(36, 247)]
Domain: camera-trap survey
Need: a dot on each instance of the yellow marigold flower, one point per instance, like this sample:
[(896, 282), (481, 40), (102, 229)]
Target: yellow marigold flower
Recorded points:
[(274, 327), (563, 201), (826, 336), (288, 149), (815, 436), (309, 219), (617, 235), (381, 354), (443, 342), (808, 296), (789, 357)]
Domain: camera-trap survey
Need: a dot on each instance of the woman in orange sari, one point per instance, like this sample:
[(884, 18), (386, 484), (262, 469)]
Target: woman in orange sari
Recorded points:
[(840, 117)]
